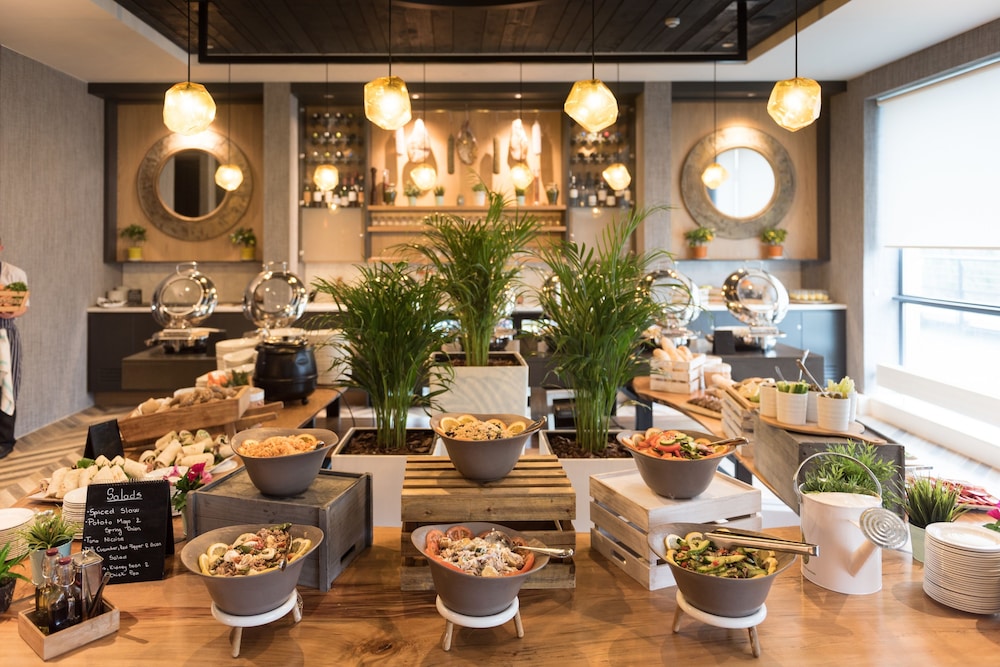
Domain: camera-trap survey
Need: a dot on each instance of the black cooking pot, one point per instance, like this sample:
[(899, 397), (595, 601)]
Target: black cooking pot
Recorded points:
[(285, 370)]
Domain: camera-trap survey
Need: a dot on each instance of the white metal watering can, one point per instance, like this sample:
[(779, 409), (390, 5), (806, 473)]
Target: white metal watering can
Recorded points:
[(849, 528)]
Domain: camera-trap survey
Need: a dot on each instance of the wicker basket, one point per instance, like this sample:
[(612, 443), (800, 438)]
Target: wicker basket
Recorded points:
[(13, 303)]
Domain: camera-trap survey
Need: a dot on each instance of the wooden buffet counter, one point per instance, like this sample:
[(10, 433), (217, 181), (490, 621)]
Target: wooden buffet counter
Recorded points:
[(609, 619)]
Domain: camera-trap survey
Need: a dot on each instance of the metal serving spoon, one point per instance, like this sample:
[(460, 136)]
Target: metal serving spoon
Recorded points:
[(500, 537)]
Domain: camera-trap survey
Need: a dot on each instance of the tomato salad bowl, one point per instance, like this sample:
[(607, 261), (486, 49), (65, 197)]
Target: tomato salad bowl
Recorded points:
[(675, 463), (460, 587)]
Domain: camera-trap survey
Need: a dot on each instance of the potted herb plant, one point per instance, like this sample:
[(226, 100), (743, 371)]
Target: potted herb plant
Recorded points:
[(439, 195), (698, 240), (412, 192), (479, 191), (8, 576), (476, 263), (48, 530), (389, 323), (246, 239), (519, 194), (928, 501), (136, 235), (773, 239)]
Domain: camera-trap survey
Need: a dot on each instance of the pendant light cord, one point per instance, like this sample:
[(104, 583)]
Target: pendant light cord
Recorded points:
[(229, 119), (188, 3), (593, 39), (715, 108), (389, 41), (796, 39)]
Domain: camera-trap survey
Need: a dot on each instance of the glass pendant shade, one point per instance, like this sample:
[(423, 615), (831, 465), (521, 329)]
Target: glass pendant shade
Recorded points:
[(794, 103), (326, 177), (592, 105), (521, 175), (617, 176), (714, 176), (228, 177), (387, 102), (188, 108), (424, 177)]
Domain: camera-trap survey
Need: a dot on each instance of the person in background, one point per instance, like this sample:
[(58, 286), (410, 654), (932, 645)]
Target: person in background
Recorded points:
[(10, 358)]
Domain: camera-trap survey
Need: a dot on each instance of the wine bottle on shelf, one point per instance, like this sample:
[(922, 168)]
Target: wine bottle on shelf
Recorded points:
[(352, 192), (360, 186), (591, 189), (574, 191), (602, 193)]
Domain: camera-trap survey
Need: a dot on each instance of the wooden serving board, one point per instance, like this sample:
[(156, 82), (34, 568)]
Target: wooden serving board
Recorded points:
[(138, 430), (698, 410), (855, 430)]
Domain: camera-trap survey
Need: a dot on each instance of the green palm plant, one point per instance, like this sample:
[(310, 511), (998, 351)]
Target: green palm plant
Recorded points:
[(390, 322), (476, 265), (595, 321)]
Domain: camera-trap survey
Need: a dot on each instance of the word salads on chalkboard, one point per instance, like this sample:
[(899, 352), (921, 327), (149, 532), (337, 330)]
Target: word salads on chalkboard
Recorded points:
[(130, 526)]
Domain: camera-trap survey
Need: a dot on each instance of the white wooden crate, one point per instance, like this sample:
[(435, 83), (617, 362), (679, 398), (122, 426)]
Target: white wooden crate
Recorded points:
[(625, 511)]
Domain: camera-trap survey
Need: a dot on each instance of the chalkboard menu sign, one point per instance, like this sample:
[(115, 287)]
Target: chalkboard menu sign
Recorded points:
[(129, 525)]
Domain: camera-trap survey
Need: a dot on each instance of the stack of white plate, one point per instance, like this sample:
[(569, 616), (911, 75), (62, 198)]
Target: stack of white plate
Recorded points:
[(12, 521), (75, 508), (962, 567)]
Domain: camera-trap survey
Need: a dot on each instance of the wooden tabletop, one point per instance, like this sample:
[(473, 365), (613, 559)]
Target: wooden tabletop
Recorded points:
[(609, 619)]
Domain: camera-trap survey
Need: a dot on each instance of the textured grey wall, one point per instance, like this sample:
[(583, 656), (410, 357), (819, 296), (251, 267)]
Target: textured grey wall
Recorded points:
[(51, 219)]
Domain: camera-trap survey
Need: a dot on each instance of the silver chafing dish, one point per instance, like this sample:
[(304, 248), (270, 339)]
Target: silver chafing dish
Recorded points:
[(679, 300), (181, 302), (760, 301)]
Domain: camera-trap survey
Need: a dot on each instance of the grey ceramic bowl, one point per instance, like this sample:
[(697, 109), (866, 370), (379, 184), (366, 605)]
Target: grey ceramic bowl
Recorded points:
[(468, 594), (284, 476), (677, 478), (716, 595), (248, 595), (485, 460)]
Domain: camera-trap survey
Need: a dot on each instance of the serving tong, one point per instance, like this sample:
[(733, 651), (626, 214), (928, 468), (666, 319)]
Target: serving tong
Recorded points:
[(728, 537)]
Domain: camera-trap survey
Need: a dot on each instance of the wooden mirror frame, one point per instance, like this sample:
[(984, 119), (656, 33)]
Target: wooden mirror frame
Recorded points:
[(695, 194), (234, 205)]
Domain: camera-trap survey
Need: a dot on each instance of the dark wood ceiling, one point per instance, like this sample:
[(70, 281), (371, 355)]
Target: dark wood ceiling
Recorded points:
[(470, 31)]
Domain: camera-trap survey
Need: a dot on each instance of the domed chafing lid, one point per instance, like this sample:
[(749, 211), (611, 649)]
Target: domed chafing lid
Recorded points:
[(185, 298), (275, 298), (677, 296), (755, 297)]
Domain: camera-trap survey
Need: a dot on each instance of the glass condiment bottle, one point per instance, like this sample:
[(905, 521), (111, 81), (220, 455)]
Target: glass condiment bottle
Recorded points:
[(49, 563), (63, 598)]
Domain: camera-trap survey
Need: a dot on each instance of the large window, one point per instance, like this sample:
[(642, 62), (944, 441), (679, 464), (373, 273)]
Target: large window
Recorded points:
[(938, 171)]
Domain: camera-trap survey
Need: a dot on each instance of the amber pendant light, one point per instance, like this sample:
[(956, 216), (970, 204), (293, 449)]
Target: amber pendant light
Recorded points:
[(591, 103), (795, 103), (520, 173), (326, 176), (424, 176), (715, 174), (188, 108), (229, 176), (387, 101), (616, 175)]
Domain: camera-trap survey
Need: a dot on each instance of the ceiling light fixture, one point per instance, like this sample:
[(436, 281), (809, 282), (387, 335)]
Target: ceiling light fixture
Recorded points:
[(387, 101), (715, 174), (795, 103), (326, 176), (520, 173), (229, 176), (424, 176), (590, 103), (188, 108), (616, 175)]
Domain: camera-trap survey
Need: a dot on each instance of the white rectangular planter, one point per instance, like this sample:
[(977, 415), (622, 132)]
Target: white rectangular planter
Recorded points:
[(579, 472), (387, 471), (487, 389)]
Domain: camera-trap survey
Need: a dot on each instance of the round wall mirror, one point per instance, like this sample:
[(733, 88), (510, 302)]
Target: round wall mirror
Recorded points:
[(187, 183), (760, 188), (177, 191), (750, 187)]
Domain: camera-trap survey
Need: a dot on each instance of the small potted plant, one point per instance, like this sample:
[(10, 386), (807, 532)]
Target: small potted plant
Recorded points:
[(773, 240), (48, 530), (439, 195), (479, 194), (928, 501), (136, 235), (8, 577), (246, 240), (389, 194), (519, 196), (412, 192), (698, 240)]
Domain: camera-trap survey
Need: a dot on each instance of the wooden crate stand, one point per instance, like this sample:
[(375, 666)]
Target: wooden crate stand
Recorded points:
[(536, 499), (340, 503), (625, 511), (143, 429)]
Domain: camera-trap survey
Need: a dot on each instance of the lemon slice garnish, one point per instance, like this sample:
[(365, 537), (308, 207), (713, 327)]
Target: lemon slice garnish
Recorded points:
[(217, 550), (449, 423), (516, 427), (466, 419), (203, 563), (497, 422)]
